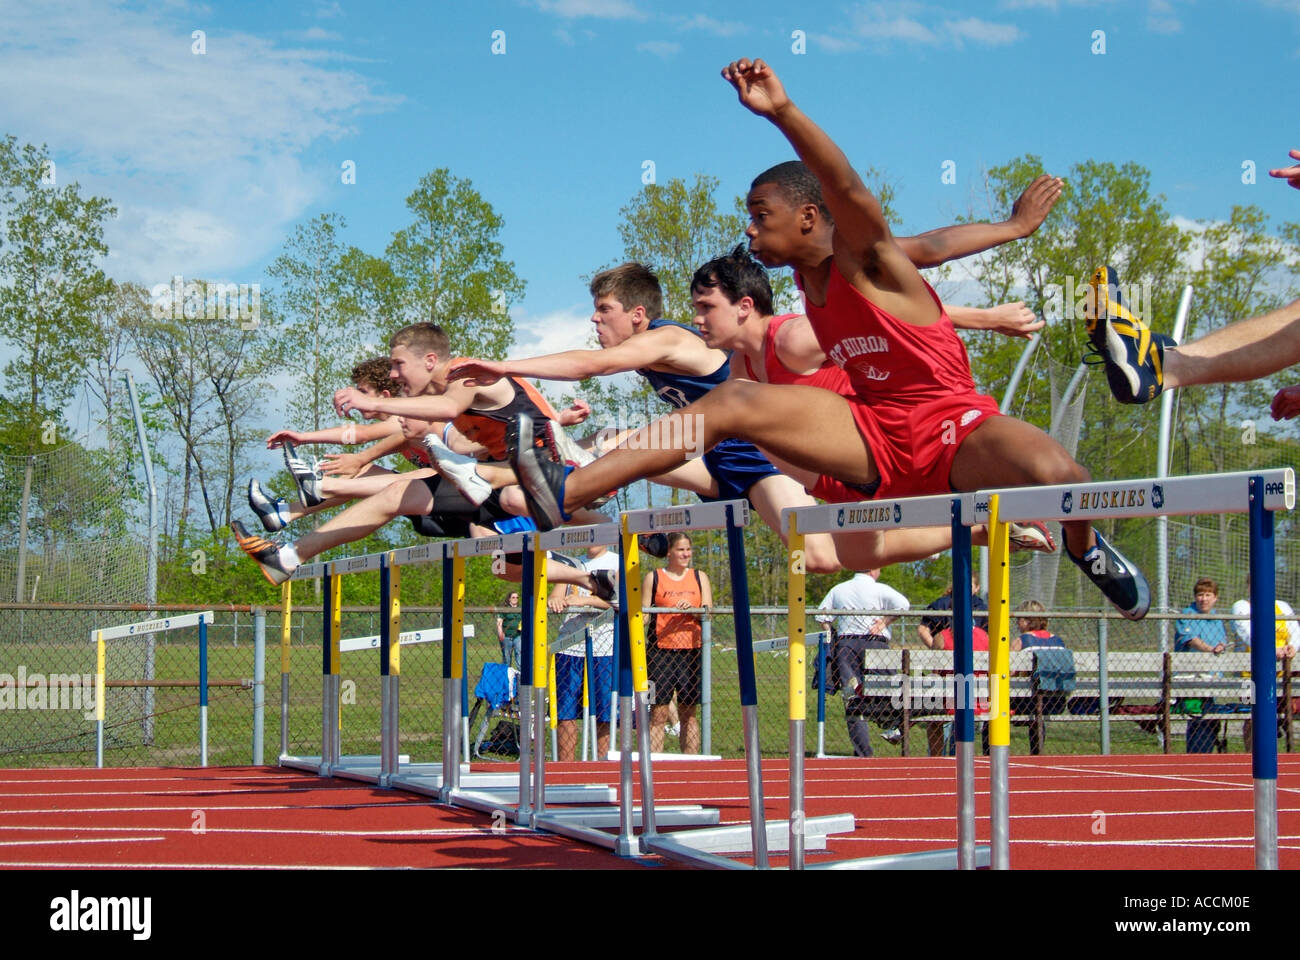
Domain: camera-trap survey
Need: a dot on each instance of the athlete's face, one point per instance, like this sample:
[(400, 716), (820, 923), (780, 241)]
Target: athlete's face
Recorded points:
[(614, 323), (717, 317), (774, 225), (413, 429), (370, 391), (680, 555), (411, 370)]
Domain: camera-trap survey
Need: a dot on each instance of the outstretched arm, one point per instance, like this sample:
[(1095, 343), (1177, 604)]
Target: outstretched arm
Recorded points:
[(446, 406), (1009, 319), (1290, 174), (666, 344), (859, 221), (1286, 404), (350, 464), (348, 433), (1031, 208)]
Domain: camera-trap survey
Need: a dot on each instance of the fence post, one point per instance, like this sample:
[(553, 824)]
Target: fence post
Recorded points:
[(1103, 687), (706, 684), (259, 682)]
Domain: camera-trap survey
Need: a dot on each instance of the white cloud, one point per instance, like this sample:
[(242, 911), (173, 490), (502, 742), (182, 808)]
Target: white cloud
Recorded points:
[(1161, 17), (318, 33), (834, 44), (719, 28), (201, 153), (569, 328), (982, 32), (660, 48), (603, 9), (917, 23)]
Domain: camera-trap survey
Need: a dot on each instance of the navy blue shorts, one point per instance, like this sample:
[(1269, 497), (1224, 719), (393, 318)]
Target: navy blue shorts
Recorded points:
[(568, 687), (736, 465)]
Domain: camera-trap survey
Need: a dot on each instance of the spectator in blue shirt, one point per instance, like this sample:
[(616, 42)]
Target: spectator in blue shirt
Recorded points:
[(1206, 636)]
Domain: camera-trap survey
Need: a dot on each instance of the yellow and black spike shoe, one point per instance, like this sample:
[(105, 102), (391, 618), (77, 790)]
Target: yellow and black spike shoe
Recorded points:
[(1133, 354), (266, 553)]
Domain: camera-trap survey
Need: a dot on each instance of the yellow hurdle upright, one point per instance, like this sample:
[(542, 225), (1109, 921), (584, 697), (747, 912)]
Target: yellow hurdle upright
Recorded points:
[(797, 601), (999, 683)]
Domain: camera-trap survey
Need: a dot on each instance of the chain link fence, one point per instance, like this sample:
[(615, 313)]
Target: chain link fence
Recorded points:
[(47, 669)]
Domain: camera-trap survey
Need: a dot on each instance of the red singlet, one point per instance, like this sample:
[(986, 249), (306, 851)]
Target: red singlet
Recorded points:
[(915, 400)]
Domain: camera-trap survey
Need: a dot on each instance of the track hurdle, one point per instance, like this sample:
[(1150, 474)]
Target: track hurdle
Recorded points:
[(702, 846), (1256, 493), (959, 513), (143, 628), (586, 822)]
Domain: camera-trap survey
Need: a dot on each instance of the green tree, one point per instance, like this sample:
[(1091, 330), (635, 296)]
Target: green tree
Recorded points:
[(49, 280), (318, 336), (451, 266)]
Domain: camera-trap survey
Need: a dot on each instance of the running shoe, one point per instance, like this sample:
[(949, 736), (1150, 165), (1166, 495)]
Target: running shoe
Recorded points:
[(1032, 535), (1133, 354), (266, 553), (562, 447), (655, 544), (606, 585), (542, 478), (892, 735), (1116, 577), (459, 469), (305, 475), (273, 512)]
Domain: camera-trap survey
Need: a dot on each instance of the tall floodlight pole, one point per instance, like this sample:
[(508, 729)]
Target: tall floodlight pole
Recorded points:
[(1005, 407), (151, 572)]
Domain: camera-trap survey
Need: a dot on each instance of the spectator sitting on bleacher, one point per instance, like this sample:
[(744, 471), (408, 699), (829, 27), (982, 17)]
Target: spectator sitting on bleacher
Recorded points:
[(1054, 669), (1205, 636), (977, 604), (936, 634)]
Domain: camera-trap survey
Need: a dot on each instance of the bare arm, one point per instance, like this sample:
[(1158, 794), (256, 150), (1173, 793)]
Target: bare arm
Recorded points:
[(1009, 319), (352, 463), (664, 345), (858, 218), (347, 433), (446, 406), (706, 591), (1031, 208)]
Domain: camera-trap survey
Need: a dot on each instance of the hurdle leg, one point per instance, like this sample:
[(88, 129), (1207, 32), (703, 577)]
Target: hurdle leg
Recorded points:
[(999, 686), (963, 673), (797, 602), (527, 655), (286, 631), (541, 671), (1263, 752), (748, 687)]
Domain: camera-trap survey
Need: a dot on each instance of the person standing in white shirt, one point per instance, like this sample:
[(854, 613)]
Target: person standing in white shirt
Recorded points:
[(854, 634)]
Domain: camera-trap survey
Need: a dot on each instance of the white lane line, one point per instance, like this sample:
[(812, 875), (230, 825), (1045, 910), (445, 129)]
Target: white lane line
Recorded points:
[(38, 843), (424, 832)]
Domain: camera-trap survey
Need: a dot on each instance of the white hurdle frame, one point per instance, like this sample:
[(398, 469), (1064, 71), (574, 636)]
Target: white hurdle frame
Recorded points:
[(146, 628), (1258, 493)]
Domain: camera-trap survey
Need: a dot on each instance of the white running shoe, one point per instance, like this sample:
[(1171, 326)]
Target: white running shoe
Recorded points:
[(459, 469)]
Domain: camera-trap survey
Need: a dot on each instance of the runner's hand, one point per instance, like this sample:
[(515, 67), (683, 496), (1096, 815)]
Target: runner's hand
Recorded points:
[(756, 83)]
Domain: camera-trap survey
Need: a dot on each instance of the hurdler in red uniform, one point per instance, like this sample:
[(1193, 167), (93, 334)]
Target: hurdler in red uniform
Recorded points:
[(880, 321)]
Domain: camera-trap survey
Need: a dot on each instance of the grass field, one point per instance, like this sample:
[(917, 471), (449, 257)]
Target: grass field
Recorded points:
[(65, 736)]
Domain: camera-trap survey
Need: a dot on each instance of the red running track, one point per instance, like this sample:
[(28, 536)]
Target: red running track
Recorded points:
[(1128, 812)]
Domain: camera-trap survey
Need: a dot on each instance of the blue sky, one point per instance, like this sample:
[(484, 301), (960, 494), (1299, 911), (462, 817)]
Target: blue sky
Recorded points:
[(212, 158)]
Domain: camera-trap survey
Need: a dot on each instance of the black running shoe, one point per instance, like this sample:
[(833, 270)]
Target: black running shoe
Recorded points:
[(1116, 577), (655, 544), (266, 508), (266, 553), (606, 585), (542, 478), (305, 476), (1133, 354)]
